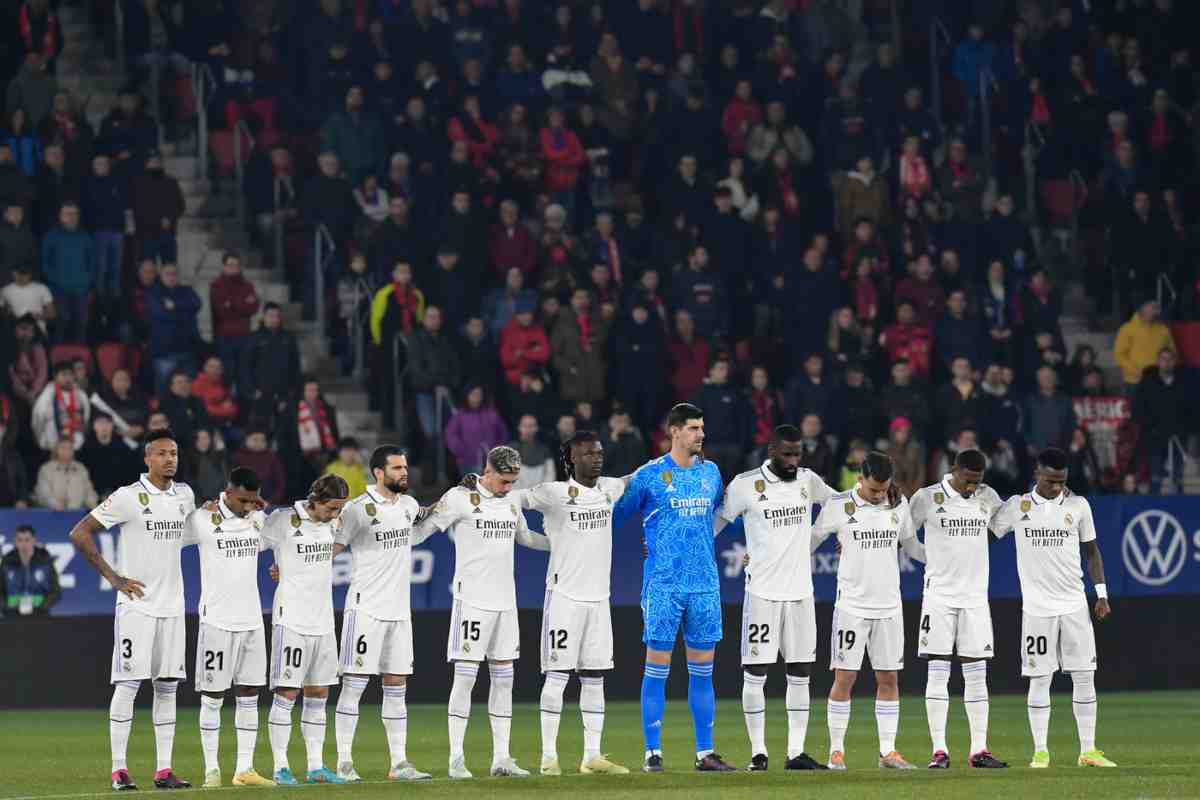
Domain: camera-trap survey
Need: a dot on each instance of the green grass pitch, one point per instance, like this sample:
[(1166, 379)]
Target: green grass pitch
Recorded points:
[(1152, 736)]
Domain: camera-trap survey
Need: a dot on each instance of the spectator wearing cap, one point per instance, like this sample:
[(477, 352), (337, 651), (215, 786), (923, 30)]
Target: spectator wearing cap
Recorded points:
[(106, 213), (908, 454), (174, 329), (579, 344), (474, 429), (28, 578), (63, 484), (234, 302), (270, 367), (256, 454), (1140, 341), (524, 346), (355, 136), (157, 206), (348, 465), (69, 264)]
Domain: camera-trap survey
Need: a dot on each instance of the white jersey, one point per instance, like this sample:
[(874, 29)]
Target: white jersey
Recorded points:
[(379, 535), (151, 537), (1048, 534), (304, 552), (868, 581), (578, 522), (229, 548), (956, 542), (484, 529), (778, 520)]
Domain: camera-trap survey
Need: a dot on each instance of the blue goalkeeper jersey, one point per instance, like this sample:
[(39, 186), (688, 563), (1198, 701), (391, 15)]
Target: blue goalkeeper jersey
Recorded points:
[(677, 505)]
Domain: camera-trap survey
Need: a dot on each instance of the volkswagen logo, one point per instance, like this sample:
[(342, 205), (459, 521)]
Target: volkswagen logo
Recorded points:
[(1154, 547)]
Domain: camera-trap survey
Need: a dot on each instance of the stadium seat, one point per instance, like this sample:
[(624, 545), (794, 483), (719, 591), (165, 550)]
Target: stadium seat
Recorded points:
[(112, 356), (1062, 199), (224, 156), (70, 352)]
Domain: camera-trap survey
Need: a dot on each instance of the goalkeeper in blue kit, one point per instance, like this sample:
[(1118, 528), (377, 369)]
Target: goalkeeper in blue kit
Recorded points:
[(677, 496)]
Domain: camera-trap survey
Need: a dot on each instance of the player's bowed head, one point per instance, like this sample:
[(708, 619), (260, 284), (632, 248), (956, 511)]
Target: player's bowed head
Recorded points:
[(243, 492), (583, 457), (875, 482), (326, 497), (967, 473), (502, 470)]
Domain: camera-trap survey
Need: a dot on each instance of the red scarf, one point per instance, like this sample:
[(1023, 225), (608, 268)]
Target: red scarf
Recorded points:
[(66, 126), (1160, 133), (614, 260), (764, 417), (67, 415), (312, 420), (49, 47), (688, 23), (1041, 109), (585, 332), (406, 298)]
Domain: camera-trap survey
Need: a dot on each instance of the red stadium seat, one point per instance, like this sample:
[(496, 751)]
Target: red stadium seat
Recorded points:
[(221, 145), (70, 352), (112, 356), (1062, 199)]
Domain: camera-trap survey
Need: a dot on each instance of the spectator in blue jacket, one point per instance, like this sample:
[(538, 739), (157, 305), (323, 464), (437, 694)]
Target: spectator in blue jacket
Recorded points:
[(105, 206), (972, 58), (726, 418), (173, 327), (69, 264), (356, 137), (28, 579)]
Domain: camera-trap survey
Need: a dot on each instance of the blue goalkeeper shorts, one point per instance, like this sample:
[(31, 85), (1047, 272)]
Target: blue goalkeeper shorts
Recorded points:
[(700, 613)]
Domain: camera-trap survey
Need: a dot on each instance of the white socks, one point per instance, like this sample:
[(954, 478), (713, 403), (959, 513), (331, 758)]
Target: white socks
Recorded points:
[(838, 714), (1039, 711), (887, 720), (975, 701), (164, 721), (346, 715), (279, 724), (754, 708), (937, 702), (591, 709), (395, 722), (120, 720), (245, 720), (797, 702), (312, 728), (210, 729), (500, 709), (458, 711), (551, 711), (1083, 701)]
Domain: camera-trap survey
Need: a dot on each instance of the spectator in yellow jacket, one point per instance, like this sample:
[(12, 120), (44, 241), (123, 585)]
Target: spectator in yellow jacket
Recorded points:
[(349, 466), (1139, 342)]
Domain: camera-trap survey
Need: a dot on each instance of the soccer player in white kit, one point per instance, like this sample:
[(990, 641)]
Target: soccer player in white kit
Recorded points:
[(1050, 526), (231, 645), (576, 618), (304, 651), (872, 522), (377, 624), (148, 629), (484, 525), (776, 503), (955, 617)]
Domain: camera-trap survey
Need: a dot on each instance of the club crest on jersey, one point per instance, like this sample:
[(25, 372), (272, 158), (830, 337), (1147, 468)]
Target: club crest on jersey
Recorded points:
[(476, 499), (895, 518), (182, 513), (358, 662), (572, 493), (257, 525), (668, 479), (370, 509), (217, 519), (1069, 520), (754, 651), (143, 498), (760, 486), (295, 520), (408, 516)]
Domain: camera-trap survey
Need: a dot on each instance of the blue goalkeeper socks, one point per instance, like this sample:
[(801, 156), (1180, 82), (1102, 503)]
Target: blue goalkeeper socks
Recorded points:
[(654, 697), (702, 700)]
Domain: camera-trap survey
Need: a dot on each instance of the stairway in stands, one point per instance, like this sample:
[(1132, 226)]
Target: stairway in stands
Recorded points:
[(210, 226)]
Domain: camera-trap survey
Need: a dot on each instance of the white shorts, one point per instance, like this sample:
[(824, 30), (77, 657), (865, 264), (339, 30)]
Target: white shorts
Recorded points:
[(147, 647), (476, 634), (298, 660), (576, 634), (945, 631), (774, 627), (371, 646), (1049, 644), (881, 639), (230, 658)]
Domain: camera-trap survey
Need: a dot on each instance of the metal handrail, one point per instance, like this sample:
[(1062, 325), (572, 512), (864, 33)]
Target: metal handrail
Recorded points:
[(987, 85), (1035, 140), (202, 79), (156, 99), (324, 247), (119, 32), (1165, 288), (360, 323), (277, 224), (937, 29), (399, 373), (1175, 447), (239, 168)]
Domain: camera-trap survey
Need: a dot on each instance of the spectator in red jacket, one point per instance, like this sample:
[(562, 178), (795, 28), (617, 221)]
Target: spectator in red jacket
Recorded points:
[(927, 296), (210, 387), (564, 157), (512, 244), (689, 356), (480, 135), (234, 304), (908, 339), (136, 329), (742, 113), (524, 346), (256, 455)]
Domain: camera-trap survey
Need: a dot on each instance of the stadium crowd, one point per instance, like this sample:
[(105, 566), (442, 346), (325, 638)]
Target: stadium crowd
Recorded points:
[(552, 216)]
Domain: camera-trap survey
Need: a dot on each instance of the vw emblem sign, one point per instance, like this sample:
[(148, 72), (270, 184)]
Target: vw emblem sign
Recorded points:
[(1154, 547)]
